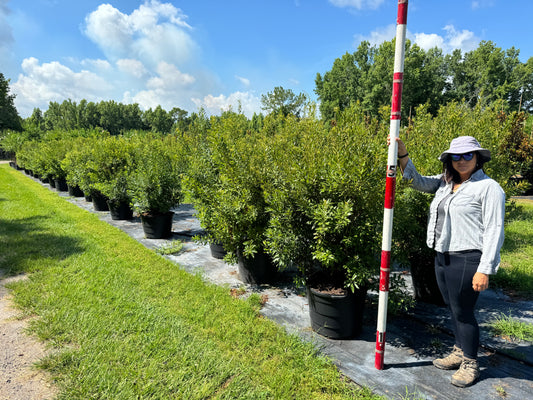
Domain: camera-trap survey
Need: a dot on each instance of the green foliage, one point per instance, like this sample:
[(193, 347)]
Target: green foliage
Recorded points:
[(283, 101), (110, 116), (9, 117), (426, 138), (225, 181), (325, 196), (511, 328), (173, 247), (482, 76), (12, 141), (111, 164), (366, 77), (516, 146), (516, 273), (78, 163), (155, 184)]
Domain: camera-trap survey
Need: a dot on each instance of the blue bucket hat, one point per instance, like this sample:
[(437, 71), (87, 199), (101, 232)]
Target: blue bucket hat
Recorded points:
[(465, 144)]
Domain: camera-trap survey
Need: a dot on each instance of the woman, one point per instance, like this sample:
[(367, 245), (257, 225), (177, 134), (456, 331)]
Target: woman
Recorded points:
[(466, 230)]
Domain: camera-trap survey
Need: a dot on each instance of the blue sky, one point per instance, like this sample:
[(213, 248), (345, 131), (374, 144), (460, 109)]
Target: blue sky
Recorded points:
[(217, 54)]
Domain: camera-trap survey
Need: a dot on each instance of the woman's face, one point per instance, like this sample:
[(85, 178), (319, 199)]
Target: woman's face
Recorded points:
[(463, 167)]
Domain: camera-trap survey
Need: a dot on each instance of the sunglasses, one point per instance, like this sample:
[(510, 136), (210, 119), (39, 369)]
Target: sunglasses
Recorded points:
[(466, 156)]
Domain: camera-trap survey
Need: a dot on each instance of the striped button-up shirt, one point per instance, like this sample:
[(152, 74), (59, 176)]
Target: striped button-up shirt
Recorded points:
[(473, 215)]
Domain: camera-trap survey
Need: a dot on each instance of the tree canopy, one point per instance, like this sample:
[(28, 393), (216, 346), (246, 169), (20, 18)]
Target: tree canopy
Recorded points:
[(483, 75), (9, 117), (283, 101)]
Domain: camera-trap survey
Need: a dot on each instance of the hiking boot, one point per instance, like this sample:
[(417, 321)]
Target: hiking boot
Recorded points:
[(467, 374), (451, 361)]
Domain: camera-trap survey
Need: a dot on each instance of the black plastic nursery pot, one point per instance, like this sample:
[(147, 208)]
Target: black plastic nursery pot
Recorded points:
[(337, 316), (75, 191), (61, 184), (256, 270), (217, 250), (157, 226), (99, 201), (425, 284), (120, 210)]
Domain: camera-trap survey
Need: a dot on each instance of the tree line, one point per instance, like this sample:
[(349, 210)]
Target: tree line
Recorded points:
[(481, 76)]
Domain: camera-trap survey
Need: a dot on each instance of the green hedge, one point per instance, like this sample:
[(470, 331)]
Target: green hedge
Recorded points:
[(307, 192)]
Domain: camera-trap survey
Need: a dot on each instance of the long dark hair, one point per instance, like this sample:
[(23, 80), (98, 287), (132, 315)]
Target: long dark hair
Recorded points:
[(451, 174)]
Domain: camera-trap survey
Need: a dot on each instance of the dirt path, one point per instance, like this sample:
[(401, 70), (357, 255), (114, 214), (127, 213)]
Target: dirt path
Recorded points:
[(19, 379)]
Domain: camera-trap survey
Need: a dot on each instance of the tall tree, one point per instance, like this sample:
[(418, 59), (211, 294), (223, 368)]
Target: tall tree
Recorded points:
[(366, 76), (283, 101), (9, 116)]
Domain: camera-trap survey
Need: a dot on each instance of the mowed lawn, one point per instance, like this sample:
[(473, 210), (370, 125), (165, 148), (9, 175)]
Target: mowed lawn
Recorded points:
[(516, 271), (125, 323)]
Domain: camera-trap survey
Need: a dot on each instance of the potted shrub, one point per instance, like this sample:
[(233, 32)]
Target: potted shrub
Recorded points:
[(53, 151), (225, 181), (27, 156), (325, 196), (155, 184), (12, 141), (79, 166), (111, 164)]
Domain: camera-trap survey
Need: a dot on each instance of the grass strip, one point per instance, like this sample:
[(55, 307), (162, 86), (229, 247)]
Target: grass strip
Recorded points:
[(516, 272), (127, 323), (511, 328)]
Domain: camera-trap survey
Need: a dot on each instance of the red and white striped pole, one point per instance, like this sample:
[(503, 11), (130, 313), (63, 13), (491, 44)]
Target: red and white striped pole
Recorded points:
[(390, 185)]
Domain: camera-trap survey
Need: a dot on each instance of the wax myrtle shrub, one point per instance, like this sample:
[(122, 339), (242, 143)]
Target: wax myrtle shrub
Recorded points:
[(324, 193), (517, 146), (155, 182), (225, 180), (79, 162), (110, 165), (52, 151), (29, 156), (12, 141)]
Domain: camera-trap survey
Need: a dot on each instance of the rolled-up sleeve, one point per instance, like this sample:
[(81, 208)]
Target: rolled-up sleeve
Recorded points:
[(493, 214)]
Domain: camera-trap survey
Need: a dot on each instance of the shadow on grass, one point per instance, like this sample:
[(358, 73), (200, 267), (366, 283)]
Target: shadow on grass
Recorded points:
[(514, 241), (26, 240)]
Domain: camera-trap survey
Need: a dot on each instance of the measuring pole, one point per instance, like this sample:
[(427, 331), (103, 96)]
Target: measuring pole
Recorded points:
[(390, 185)]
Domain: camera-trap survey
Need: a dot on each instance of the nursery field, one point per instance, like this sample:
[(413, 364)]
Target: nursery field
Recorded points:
[(125, 323)]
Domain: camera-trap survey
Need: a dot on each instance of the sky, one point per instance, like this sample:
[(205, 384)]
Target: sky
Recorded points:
[(220, 54)]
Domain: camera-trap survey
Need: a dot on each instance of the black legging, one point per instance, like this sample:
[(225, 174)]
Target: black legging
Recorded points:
[(454, 272)]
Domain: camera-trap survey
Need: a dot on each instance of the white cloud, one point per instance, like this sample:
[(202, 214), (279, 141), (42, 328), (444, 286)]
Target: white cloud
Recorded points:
[(131, 67), (244, 101), (169, 78), (99, 65), (378, 36), (464, 40), (452, 39), (244, 81), (42, 83), (477, 4), (152, 33), (149, 58), (357, 4), (429, 41)]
